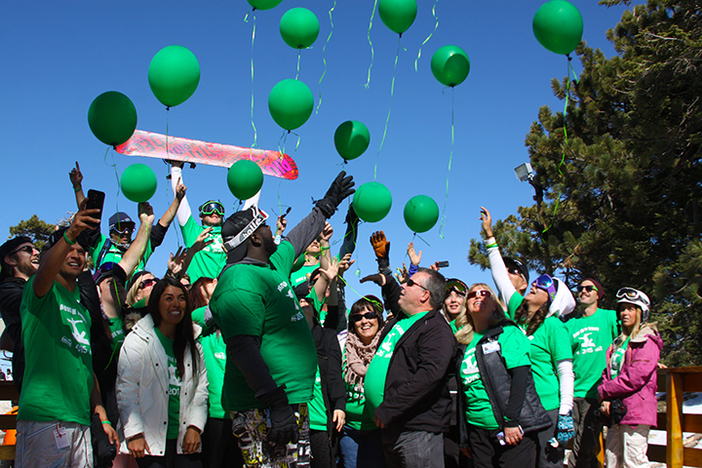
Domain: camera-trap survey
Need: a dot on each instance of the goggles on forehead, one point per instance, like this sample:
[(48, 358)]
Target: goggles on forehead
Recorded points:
[(457, 285), (258, 220), (212, 207)]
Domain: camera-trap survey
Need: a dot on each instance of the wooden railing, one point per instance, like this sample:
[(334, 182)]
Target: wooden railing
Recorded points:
[(675, 381)]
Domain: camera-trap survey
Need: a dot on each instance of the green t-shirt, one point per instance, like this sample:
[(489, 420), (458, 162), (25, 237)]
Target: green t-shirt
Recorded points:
[(303, 274), (617, 359), (549, 345), (215, 350), (514, 347), (210, 261), (356, 415), (116, 327), (378, 368), (113, 254), (514, 302), (590, 338), (317, 408), (58, 375), (174, 384), (256, 300)]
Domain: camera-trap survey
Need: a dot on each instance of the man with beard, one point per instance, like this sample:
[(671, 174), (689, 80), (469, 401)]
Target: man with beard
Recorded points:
[(111, 249), (271, 357), (20, 260)]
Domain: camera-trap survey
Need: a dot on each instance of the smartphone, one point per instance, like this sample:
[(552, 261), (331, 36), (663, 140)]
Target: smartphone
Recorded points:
[(96, 199), (443, 264)]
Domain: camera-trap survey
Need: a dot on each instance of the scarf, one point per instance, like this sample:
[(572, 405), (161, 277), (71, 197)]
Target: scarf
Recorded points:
[(358, 357)]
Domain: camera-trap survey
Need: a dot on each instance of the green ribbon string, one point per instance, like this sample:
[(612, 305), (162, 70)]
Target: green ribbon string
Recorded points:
[(113, 166), (433, 12), (367, 85), (420, 238), (299, 55), (324, 53), (565, 137), (387, 119), (253, 40), (448, 174)]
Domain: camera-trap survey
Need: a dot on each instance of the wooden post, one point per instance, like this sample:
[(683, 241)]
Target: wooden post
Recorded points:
[(674, 397)]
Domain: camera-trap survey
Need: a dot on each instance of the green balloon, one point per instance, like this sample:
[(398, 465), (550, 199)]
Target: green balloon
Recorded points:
[(244, 179), (112, 118), (421, 213), (558, 26), (450, 65), (264, 4), (290, 103), (351, 139), (397, 15), (372, 202), (174, 75), (138, 183), (299, 28)]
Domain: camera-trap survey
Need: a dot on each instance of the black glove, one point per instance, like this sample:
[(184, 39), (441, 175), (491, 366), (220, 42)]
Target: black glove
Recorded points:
[(341, 188), (352, 218), (283, 422), (103, 451)]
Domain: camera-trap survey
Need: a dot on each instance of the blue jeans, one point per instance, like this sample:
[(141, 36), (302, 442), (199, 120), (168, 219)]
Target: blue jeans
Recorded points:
[(413, 449), (362, 448)]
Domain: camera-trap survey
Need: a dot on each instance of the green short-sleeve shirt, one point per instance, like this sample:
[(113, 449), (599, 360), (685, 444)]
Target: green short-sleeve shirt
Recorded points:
[(356, 415), (256, 300), (590, 338), (113, 254), (514, 347), (174, 384), (549, 345), (210, 261), (58, 376), (215, 351)]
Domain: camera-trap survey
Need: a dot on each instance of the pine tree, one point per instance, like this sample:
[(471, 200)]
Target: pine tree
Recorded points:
[(624, 205), (34, 228)]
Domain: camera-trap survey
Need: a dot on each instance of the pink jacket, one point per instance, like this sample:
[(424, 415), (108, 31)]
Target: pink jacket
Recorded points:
[(637, 382)]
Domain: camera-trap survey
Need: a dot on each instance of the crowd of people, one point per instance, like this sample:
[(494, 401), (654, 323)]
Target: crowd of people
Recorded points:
[(244, 353)]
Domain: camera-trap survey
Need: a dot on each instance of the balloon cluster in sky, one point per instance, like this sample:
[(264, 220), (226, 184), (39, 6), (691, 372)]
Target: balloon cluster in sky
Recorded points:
[(174, 74)]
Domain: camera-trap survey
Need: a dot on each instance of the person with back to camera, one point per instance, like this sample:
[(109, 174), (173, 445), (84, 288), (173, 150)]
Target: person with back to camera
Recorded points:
[(537, 314), (162, 428), (631, 377), (500, 413)]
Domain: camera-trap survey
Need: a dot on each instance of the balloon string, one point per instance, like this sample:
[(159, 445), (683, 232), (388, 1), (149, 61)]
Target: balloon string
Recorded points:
[(299, 54), (433, 12), (367, 85), (253, 40), (324, 59), (565, 143), (448, 174), (387, 119), (420, 238), (114, 167), (168, 117)]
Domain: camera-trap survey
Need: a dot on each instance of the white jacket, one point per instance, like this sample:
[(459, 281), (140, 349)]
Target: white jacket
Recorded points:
[(142, 389)]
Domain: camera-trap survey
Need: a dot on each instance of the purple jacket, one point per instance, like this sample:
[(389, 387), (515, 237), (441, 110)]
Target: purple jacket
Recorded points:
[(637, 382)]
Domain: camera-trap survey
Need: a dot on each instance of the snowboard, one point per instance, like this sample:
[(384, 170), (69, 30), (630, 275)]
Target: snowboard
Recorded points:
[(153, 145)]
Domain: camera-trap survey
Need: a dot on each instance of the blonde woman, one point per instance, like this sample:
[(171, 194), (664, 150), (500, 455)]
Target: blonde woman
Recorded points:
[(630, 376), (499, 410)]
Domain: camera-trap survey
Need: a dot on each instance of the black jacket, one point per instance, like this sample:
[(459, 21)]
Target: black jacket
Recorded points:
[(10, 300), (498, 380), (416, 386)]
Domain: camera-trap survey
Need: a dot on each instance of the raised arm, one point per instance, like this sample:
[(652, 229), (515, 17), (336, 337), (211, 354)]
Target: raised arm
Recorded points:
[(183, 212), (497, 265), (349, 243), (179, 194), (77, 181), (132, 256)]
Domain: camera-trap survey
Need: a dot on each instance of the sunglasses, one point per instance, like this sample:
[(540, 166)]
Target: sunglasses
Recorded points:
[(27, 248), (368, 316), (588, 288), (211, 208), (411, 283), (148, 282), (479, 293)]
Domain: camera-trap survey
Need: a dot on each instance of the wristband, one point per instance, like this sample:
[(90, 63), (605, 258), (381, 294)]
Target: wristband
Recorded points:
[(68, 241), (325, 248), (107, 422), (77, 189), (489, 246)]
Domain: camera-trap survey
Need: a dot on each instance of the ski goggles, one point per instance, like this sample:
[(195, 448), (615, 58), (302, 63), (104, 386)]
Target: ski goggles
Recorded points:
[(633, 296), (259, 219), (126, 228), (212, 207), (548, 284), (453, 284)]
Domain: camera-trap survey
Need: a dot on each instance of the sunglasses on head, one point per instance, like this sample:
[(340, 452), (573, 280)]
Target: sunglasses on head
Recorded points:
[(411, 283), (368, 316), (27, 248), (588, 288), (479, 293), (148, 282), (211, 208)]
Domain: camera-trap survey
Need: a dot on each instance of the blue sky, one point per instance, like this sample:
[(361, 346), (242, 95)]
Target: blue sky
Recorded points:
[(58, 56)]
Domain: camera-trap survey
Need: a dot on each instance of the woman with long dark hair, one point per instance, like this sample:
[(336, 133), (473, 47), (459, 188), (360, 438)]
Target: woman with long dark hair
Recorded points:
[(162, 382)]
